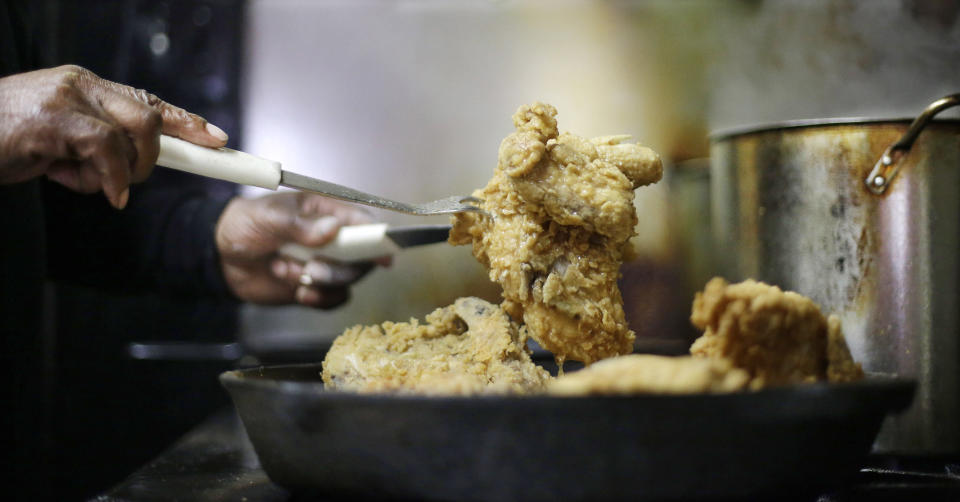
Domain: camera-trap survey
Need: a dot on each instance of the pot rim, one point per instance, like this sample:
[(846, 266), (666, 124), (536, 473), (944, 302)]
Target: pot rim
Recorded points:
[(731, 132)]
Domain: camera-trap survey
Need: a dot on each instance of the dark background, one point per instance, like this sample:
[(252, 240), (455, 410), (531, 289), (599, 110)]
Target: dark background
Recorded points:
[(111, 413)]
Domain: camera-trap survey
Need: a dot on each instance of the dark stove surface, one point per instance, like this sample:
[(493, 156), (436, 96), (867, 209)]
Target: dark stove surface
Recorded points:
[(213, 462), (216, 462)]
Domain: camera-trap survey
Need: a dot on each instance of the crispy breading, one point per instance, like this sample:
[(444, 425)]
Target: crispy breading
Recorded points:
[(558, 214), (561, 213), (470, 347), (651, 374), (778, 337)]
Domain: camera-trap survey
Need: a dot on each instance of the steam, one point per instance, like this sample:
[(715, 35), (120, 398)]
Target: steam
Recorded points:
[(785, 60)]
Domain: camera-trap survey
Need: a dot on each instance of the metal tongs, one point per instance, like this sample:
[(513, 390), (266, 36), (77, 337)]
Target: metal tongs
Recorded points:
[(246, 169)]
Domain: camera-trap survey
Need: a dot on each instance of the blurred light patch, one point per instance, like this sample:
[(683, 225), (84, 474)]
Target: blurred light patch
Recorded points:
[(159, 44)]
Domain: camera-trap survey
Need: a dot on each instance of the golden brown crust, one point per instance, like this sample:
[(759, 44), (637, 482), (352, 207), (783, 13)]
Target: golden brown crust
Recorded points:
[(650, 374), (561, 218), (470, 347), (777, 337)]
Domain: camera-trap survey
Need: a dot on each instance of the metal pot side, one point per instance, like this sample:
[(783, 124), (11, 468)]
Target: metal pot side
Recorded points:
[(790, 207)]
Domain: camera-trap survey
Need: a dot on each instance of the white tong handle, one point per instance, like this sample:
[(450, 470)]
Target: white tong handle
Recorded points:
[(219, 163), (353, 243)]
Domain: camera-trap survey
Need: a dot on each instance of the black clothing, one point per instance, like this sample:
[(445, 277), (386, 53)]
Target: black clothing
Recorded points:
[(163, 239), (18, 45), (162, 242), (21, 328), (22, 265)]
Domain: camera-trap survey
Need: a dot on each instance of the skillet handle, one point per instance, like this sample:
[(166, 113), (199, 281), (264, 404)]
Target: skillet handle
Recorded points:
[(885, 170)]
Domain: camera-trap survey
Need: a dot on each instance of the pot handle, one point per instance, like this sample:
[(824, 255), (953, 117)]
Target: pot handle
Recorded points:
[(885, 170)]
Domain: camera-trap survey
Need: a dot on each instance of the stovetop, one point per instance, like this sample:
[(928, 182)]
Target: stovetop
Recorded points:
[(216, 462), (902, 478)]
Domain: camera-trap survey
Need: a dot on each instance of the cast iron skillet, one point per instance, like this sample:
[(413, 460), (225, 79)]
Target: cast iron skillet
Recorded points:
[(647, 447)]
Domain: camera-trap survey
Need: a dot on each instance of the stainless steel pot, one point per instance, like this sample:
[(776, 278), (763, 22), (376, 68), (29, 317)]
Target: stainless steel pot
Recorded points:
[(863, 216)]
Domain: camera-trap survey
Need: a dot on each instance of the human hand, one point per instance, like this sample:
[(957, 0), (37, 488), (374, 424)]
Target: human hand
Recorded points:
[(250, 232), (87, 133)]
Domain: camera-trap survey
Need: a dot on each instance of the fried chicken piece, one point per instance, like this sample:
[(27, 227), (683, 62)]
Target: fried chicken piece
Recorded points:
[(650, 374), (778, 337), (470, 347), (561, 213)]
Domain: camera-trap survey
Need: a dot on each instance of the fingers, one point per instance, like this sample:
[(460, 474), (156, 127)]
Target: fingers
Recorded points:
[(316, 219), (319, 284), (251, 231), (280, 220), (145, 116), (75, 176), (113, 169), (336, 274), (262, 225), (325, 298), (177, 121), (113, 132), (102, 156), (143, 125), (319, 273), (108, 131), (313, 231), (254, 229)]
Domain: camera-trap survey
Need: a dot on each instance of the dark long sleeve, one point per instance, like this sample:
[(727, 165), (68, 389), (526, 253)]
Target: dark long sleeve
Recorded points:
[(21, 291), (163, 241), (71, 388)]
